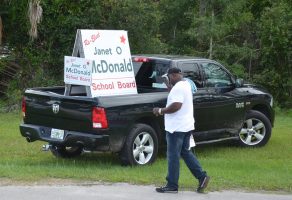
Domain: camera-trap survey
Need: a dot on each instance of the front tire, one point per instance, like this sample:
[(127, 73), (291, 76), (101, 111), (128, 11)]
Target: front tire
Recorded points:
[(256, 130), (141, 146)]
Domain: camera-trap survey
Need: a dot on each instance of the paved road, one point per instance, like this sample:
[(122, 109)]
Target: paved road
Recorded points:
[(121, 191)]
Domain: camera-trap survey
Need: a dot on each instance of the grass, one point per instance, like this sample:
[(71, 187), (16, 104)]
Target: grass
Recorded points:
[(231, 167)]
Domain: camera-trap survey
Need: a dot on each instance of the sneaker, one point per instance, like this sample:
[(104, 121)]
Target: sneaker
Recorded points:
[(166, 189), (203, 183)]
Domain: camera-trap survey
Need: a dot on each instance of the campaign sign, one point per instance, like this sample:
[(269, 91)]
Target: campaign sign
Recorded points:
[(77, 71), (112, 68)]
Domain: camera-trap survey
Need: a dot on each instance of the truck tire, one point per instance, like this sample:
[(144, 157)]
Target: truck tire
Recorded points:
[(66, 151), (256, 130), (141, 146)]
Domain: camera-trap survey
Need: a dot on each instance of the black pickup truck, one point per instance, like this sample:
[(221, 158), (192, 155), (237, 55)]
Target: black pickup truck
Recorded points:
[(72, 122)]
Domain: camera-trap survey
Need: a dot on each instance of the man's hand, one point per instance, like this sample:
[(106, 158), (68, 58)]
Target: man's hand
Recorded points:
[(156, 111), (166, 81), (175, 106)]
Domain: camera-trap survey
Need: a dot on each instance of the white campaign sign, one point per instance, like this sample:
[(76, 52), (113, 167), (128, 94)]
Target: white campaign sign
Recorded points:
[(112, 68), (77, 71)]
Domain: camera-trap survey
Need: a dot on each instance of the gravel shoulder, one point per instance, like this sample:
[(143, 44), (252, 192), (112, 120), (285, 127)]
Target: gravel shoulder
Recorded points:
[(68, 189)]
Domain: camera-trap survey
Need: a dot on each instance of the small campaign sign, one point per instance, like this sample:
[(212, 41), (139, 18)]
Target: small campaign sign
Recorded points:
[(77, 71), (112, 69)]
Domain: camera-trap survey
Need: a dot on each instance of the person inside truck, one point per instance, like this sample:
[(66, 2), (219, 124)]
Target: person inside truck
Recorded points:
[(169, 86)]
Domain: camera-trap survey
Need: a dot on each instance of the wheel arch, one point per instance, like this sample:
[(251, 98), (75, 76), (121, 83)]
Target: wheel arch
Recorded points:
[(150, 121), (265, 110), (153, 123)]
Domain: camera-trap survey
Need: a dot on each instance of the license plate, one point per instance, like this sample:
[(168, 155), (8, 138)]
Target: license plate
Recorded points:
[(57, 134)]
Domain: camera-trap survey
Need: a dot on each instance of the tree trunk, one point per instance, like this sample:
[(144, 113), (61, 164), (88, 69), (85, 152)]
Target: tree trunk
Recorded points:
[(35, 13), (211, 36), (1, 31), (203, 7), (249, 67), (174, 32)]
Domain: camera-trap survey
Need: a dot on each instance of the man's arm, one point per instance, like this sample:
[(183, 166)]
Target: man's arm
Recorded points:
[(175, 106)]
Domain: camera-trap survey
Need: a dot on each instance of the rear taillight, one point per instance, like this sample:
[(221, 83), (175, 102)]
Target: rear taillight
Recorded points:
[(141, 59), (99, 119), (23, 107)]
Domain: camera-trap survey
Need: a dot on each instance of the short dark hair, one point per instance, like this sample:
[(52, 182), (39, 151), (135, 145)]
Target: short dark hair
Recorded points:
[(174, 70)]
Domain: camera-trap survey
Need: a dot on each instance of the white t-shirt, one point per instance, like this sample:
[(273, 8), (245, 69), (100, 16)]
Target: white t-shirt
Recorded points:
[(183, 119)]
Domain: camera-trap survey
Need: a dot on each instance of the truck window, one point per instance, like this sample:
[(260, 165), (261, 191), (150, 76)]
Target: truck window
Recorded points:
[(192, 71), (143, 76), (136, 66), (76, 90), (150, 74), (159, 70), (215, 76)]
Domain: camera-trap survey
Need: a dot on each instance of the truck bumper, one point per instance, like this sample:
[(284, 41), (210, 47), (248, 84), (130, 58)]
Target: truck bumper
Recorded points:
[(71, 138)]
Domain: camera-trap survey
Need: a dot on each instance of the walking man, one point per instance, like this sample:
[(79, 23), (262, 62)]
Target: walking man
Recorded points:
[(179, 124)]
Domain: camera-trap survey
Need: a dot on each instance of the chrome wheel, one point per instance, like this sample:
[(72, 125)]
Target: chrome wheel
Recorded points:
[(252, 132), (140, 147), (143, 148)]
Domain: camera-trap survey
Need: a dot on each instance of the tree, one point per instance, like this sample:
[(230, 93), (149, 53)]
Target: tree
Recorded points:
[(252, 38), (176, 17), (221, 32), (276, 52), (140, 18)]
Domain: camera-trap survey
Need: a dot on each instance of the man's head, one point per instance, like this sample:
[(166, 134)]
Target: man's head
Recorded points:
[(174, 74)]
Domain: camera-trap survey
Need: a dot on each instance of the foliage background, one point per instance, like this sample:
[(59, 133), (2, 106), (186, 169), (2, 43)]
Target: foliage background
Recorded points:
[(252, 38)]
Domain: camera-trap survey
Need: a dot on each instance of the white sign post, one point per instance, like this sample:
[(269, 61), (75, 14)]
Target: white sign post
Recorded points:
[(112, 69)]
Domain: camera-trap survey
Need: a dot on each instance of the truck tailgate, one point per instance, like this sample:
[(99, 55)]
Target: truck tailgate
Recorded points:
[(54, 110)]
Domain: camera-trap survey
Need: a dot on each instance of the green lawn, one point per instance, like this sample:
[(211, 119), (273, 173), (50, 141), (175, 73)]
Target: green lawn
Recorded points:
[(231, 167)]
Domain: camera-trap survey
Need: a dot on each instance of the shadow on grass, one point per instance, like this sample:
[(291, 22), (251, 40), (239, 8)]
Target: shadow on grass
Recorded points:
[(207, 148), (104, 159), (85, 160), (94, 158)]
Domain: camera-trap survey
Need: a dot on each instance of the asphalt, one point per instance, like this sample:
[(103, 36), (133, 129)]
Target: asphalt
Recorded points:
[(122, 191)]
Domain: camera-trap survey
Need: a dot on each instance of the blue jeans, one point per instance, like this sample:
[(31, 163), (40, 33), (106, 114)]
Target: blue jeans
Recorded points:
[(178, 146)]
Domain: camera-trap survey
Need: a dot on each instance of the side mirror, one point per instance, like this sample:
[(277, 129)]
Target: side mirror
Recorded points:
[(239, 82)]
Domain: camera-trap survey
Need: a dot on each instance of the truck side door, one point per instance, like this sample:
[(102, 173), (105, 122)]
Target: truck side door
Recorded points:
[(226, 110)]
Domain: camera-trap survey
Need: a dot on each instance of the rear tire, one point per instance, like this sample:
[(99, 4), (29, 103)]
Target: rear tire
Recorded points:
[(66, 151), (141, 146), (256, 130)]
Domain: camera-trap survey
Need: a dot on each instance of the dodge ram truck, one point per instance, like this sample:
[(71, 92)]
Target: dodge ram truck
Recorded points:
[(71, 121)]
